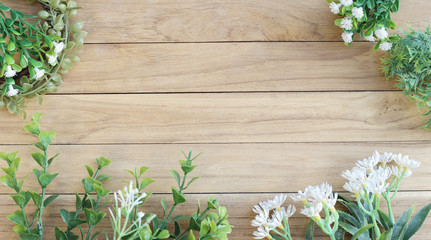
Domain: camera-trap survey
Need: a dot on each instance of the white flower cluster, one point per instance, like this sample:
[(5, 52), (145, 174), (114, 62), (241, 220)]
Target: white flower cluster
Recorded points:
[(125, 202), (264, 222), (38, 73), (315, 199), (371, 174), (352, 17)]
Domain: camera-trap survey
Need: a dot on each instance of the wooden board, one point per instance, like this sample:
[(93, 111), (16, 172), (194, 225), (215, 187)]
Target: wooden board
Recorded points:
[(109, 21), (219, 67), (225, 118), (239, 206), (276, 165)]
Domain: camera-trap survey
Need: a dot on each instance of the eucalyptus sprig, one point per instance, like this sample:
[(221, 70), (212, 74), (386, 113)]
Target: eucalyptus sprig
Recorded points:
[(409, 63), (35, 54)]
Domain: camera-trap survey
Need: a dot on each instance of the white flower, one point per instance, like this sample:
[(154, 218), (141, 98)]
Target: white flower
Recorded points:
[(335, 8), (288, 212), (398, 171), (384, 158), (385, 46), (346, 23), (129, 197), (353, 187), (381, 33), (277, 202), (405, 162), (357, 175), (52, 59), (9, 72), (38, 73), (12, 91), (347, 37), (358, 12), (370, 38), (261, 219), (300, 196), (262, 207), (319, 193), (58, 47), (331, 201), (346, 2), (368, 163), (376, 181), (313, 211), (262, 232), (276, 220)]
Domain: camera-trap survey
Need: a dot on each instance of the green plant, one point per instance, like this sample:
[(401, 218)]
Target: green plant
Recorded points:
[(210, 223), (35, 54), (368, 18), (30, 226), (409, 62)]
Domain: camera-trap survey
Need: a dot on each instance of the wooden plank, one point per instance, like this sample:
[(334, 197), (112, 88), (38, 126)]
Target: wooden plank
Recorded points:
[(216, 67), (224, 118), (239, 210), (109, 21), (276, 165)]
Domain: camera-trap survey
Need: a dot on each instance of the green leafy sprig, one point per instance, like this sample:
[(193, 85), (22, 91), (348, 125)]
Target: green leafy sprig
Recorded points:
[(34, 56), (409, 62)]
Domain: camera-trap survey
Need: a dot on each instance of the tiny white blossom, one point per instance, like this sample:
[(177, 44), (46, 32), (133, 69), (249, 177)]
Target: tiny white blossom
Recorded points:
[(398, 171), (334, 7), (129, 197), (58, 47), (381, 33), (376, 181), (9, 72), (370, 38), (353, 187), (346, 2), (346, 23), (347, 37), (313, 211), (261, 219), (12, 91), (368, 163), (358, 12), (332, 200), (385, 46), (384, 158), (262, 232), (52, 59), (405, 162), (288, 212), (262, 207), (357, 175), (38, 73), (300, 196), (276, 219), (277, 202)]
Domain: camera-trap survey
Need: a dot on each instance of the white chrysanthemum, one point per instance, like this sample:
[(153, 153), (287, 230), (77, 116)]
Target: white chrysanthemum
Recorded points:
[(52, 59), (260, 220), (300, 196), (9, 72), (385, 46), (398, 171), (12, 91), (288, 212), (370, 38), (313, 211), (346, 23), (319, 193), (58, 47), (262, 232), (346, 2), (276, 220), (357, 175), (368, 163), (38, 73), (347, 37), (376, 182), (353, 187), (405, 162), (335, 7), (277, 202), (331, 201), (261, 207), (384, 158), (358, 12), (381, 33)]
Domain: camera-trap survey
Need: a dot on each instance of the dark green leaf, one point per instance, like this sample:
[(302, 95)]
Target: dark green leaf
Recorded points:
[(401, 224), (416, 222)]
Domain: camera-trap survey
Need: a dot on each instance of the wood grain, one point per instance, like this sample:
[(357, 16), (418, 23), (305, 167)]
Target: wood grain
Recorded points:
[(239, 211), (224, 118), (218, 67), (129, 21), (275, 165)]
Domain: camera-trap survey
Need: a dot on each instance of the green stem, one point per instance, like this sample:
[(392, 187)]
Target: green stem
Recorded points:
[(398, 185), (279, 233), (41, 207)]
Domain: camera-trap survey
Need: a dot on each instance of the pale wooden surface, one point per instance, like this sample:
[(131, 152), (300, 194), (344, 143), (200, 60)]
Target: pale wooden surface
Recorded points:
[(266, 89)]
